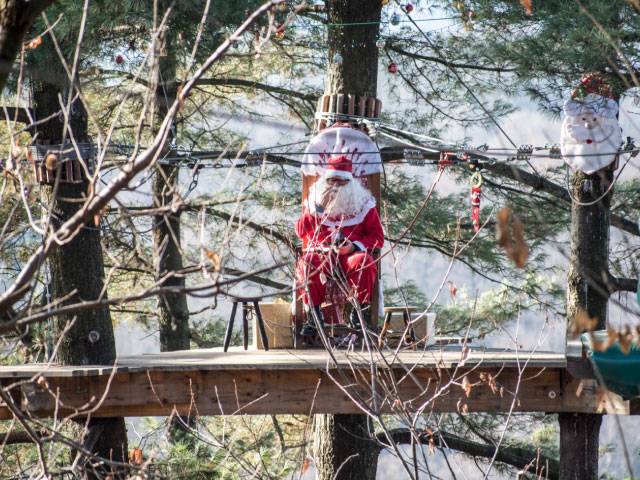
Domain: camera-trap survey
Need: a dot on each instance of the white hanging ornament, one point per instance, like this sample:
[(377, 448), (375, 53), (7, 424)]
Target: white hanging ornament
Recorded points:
[(380, 43), (591, 134), (337, 59)]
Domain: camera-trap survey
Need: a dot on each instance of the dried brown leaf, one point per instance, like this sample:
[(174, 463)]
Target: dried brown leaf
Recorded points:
[(466, 386), (580, 388), (306, 463), (51, 162), (512, 239), (520, 252), (42, 382), (136, 457), (582, 322), (502, 227), (453, 290), (624, 338), (34, 43), (432, 446), (465, 354), (214, 258), (528, 6)]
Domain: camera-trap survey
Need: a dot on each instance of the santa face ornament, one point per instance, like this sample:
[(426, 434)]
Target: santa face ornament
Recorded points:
[(591, 134)]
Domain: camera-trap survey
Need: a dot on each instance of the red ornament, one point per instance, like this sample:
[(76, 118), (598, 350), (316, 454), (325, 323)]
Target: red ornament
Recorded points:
[(280, 32), (408, 8), (119, 59), (393, 68), (476, 194)]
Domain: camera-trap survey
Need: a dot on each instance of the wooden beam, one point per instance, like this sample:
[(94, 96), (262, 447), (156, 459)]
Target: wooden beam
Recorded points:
[(304, 391)]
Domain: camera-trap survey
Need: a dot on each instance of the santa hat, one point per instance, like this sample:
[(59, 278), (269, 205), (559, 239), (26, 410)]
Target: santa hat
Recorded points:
[(339, 167)]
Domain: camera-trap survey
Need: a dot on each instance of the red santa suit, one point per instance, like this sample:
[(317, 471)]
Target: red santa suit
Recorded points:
[(319, 231)]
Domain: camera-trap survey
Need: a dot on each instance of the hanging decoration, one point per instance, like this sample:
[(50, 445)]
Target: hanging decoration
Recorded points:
[(392, 68), (395, 19), (280, 32), (337, 59), (476, 193), (119, 59), (380, 43), (342, 139), (408, 8), (591, 134)]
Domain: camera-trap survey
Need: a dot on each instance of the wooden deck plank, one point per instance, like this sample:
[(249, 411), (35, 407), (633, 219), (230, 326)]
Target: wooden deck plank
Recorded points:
[(215, 359)]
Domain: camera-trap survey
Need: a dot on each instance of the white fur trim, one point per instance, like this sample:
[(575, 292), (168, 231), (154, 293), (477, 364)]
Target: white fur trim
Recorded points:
[(351, 221), (338, 174)]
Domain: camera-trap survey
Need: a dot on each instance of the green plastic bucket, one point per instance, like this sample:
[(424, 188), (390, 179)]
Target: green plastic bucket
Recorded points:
[(620, 371)]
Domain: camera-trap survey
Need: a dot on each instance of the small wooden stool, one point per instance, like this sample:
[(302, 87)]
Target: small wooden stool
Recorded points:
[(245, 321), (406, 316)]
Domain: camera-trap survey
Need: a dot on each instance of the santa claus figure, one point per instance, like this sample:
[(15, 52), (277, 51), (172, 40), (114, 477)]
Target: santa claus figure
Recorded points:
[(591, 135), (339, 228)]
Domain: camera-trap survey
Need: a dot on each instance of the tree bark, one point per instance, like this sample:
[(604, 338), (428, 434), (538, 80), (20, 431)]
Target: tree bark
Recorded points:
[(16, 17), (343, 448), (356, 44), (173, 311), (78, 267), (579, 442), (586, 291)]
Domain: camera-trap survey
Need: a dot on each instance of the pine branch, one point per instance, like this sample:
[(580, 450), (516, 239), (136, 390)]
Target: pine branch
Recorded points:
[(464, 66), (238, 82)]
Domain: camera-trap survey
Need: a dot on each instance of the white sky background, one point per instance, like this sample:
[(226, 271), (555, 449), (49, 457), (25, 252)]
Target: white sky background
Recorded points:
[(525, 126)]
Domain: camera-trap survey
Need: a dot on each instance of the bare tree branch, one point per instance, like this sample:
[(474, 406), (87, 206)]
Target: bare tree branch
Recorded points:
[(518, 457)]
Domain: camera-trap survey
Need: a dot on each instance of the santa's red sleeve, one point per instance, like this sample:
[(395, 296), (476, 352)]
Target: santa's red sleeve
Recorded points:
[(371, 233), (306, 226)]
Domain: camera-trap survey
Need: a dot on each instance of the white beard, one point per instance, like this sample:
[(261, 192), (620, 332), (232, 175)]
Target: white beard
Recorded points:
[(590, 149), (349, 206)]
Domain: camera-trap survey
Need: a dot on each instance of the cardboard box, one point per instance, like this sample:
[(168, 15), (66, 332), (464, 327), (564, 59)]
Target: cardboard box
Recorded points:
[(423, 327), (277, 323)]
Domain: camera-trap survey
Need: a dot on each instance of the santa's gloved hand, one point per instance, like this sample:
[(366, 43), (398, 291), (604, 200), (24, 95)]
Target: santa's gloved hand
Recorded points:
[(346, 248)]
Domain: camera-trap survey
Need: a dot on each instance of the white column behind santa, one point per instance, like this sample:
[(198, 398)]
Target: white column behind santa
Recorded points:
[(340, 140)]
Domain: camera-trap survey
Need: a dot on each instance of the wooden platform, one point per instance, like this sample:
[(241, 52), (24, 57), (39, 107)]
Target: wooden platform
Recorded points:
[(210, 382)]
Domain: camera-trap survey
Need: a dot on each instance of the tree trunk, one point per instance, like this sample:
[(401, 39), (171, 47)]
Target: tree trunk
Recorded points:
[(16, 17), (78, 266), (587, 291), (173, 311), (356, 44), (343, 448), (579, 441)]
